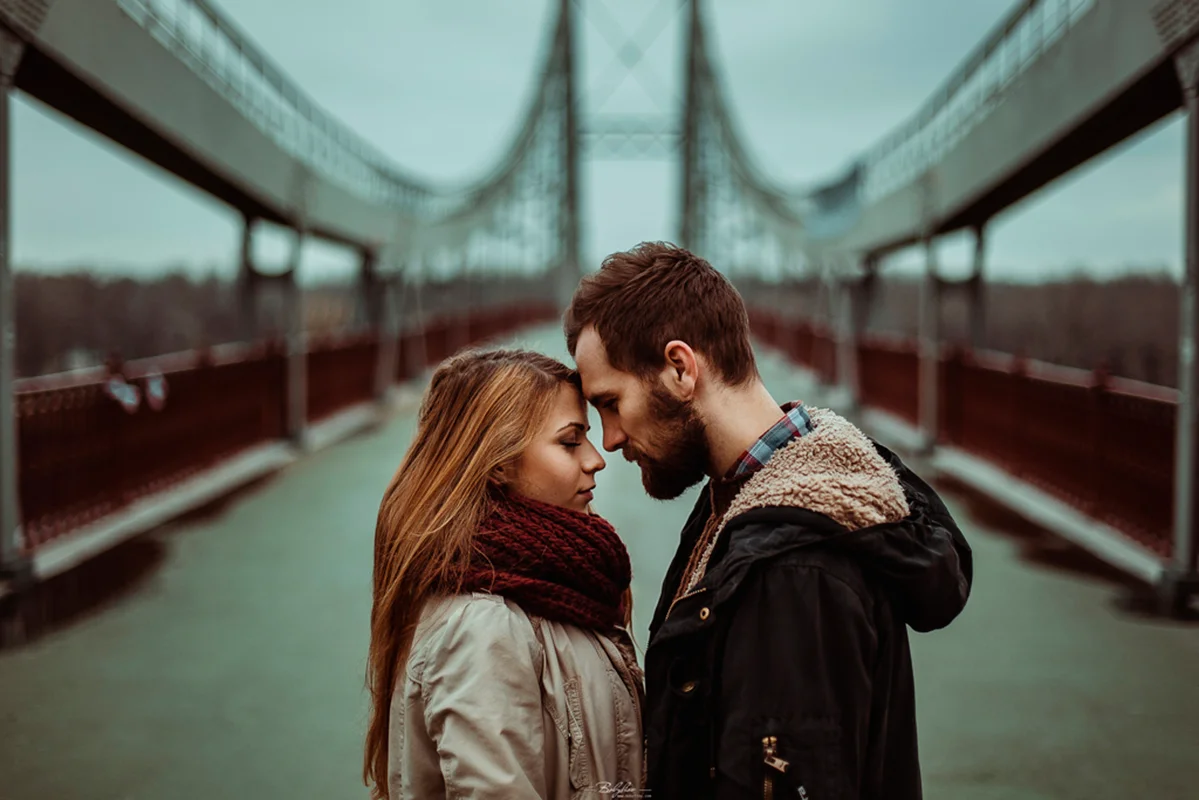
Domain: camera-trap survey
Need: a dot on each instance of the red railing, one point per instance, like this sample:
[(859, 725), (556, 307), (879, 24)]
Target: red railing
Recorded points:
[(84, 455), (889, 376), (1103, 445), (341, 372), (814, 346)]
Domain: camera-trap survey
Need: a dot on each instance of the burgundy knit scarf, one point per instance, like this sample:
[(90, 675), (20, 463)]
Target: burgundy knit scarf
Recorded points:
[(558, 564)]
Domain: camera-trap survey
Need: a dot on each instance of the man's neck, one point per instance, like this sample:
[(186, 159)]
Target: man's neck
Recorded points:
[(736, 418)]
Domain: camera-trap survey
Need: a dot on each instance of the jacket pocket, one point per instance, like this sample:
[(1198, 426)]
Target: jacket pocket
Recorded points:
[(800, 763), (579, 757)]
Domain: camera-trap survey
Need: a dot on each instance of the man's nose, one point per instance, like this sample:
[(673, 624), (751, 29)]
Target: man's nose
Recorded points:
[(614, 438)]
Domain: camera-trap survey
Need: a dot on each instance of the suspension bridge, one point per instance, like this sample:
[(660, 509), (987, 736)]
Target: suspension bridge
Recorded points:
[(229, 494)]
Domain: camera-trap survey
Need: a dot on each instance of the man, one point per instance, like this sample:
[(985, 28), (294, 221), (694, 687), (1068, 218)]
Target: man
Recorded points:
[(778, 662)]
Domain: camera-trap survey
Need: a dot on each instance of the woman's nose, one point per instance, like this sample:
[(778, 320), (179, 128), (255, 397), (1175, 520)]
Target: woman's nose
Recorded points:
[(594, 461)]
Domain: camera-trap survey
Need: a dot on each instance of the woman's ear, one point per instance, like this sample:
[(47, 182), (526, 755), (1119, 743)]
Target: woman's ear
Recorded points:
[(499, 476)]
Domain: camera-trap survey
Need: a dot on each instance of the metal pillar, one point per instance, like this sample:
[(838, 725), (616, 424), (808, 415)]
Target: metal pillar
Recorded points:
[(1182, 577), (13, 559), (978, 309), (571, 262), (688, 203), (846, 301), (247, 283), (388, 329), (369, 305), (930, 345), (297, 349)]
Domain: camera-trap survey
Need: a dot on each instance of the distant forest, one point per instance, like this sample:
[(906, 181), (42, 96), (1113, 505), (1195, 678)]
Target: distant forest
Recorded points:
[(1129, 324)]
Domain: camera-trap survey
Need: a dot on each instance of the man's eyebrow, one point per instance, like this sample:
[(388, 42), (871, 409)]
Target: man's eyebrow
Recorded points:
[(599, 398)]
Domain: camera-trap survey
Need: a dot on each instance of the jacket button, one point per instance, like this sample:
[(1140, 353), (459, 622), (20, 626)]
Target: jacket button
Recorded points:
[(688, 687), (704, 613)]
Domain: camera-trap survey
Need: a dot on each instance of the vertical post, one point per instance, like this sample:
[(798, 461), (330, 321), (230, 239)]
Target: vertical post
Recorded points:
[(12, 555), (1183, 577), (690, 135), (571, 261), (368, 313), (388, 332), (978, 311), (247, 283), (930, 344), (846, 292), (297, 348)]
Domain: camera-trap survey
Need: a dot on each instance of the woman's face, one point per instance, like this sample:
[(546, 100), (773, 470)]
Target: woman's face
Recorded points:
[(559, 466)]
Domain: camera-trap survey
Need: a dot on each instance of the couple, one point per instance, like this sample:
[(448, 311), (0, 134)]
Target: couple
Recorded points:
[(501, 664)]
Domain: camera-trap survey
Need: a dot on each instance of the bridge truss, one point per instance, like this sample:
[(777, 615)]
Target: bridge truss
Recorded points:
[(445, 265)]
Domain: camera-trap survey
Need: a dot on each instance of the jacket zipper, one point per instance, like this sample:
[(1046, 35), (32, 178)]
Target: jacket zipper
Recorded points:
[(770, 757), (682, 597)]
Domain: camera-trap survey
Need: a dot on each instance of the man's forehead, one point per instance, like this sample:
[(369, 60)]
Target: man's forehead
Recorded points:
[(591, 357)]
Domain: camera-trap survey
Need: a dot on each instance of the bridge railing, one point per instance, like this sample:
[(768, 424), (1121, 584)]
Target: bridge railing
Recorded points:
[(971, 92), (1104, 445), (197, 33), (92, 442)]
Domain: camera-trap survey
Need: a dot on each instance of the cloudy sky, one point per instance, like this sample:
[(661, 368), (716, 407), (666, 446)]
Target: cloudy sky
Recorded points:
[(440, 86)]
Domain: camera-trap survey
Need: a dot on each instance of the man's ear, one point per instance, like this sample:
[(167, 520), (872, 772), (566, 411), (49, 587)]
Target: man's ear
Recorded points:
[(680, 376)]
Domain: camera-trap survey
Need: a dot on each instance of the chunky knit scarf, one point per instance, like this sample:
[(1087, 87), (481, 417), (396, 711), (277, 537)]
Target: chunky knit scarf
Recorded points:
[(558, 564)]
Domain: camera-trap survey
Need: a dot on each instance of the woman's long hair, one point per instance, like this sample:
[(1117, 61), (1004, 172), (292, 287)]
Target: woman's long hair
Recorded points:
[(481, 411)]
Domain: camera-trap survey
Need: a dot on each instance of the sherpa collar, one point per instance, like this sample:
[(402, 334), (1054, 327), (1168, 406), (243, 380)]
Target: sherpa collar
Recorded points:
[(834, 470)]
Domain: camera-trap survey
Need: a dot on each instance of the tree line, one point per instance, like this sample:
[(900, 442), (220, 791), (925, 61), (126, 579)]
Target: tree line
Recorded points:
[(1128, 325)]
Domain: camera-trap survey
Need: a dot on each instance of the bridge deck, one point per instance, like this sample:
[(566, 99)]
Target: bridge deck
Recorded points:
[(233, 666)]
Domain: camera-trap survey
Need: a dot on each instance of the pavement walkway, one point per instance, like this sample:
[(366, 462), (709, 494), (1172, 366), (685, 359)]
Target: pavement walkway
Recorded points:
[(233, 666)]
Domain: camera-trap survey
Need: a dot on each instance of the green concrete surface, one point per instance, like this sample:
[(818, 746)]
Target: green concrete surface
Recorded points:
[(234, 669)]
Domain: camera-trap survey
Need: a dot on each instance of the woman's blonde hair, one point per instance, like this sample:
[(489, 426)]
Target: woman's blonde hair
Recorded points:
[(481, 411)]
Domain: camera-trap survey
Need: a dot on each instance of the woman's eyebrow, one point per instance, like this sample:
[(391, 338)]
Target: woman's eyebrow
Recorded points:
[(578, 425)]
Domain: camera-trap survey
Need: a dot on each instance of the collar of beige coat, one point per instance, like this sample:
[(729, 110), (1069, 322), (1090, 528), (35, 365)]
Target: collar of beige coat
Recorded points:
[(833, 470)]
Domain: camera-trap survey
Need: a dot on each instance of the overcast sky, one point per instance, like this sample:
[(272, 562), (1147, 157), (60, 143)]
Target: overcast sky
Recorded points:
[(441, 86)]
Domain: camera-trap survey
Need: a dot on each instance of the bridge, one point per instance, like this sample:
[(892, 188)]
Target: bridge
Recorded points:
[(210, 486)]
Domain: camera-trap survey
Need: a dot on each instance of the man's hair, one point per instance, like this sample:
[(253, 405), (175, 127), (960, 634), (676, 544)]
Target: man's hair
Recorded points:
[(645, 297)]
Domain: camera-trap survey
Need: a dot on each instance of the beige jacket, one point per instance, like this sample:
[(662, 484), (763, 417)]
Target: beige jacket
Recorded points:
[(500, 704)]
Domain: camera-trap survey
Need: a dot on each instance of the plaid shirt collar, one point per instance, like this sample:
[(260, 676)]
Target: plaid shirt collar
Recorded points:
[(794, 424)]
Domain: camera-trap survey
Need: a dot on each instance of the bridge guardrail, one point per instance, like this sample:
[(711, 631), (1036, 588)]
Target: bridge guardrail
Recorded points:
[(212, 45), (968, 95), (93, 441), (1103, 445)]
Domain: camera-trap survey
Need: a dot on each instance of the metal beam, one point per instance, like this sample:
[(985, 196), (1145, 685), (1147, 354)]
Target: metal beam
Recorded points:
[(297, 334), (247, 283), (978, 310), (12, 555), (1183, 576), (930, 345), (689, 185), (388, 336), (569, 273)]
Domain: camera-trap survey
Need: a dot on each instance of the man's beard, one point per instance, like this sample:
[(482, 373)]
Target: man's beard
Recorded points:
[(680, 445)]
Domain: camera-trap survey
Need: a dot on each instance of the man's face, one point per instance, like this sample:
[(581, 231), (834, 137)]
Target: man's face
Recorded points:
[(649, 425)]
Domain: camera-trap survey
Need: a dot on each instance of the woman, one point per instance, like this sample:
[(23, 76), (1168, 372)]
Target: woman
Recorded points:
[(500, 663)]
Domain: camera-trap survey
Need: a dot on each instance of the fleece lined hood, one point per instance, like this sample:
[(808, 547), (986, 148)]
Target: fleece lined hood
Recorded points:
[(834, 471), (836, 488)]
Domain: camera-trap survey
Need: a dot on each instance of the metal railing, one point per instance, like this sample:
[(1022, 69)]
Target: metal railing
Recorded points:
[(970, 93), (197, 33), (963, 101)]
